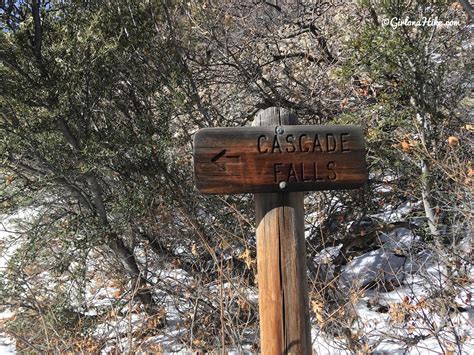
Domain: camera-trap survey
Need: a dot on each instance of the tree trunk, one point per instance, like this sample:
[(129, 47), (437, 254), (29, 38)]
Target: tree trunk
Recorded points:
[(129, 263)]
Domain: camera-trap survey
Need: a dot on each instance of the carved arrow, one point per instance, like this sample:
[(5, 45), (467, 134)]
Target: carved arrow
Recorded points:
[(220, 160)]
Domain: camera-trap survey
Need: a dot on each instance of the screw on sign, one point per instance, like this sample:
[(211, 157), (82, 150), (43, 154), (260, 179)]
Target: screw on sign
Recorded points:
[(277, 159)]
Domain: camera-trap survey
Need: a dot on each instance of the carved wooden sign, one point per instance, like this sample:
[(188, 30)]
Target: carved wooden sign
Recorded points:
[(281, 158)]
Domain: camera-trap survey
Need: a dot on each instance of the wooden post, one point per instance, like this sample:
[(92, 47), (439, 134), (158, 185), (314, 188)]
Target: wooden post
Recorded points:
[(281, 262), (276, 160)]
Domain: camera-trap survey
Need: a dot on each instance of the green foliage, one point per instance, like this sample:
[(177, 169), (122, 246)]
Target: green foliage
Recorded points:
[(93, 76), (87, 102), (401, 75)]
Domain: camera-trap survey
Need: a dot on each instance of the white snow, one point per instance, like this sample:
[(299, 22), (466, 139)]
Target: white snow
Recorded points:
[(409, 270), (7, 248), (375, 265)]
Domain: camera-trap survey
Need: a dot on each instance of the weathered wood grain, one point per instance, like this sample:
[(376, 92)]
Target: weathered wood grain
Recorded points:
[(258, 159), (281, 263)]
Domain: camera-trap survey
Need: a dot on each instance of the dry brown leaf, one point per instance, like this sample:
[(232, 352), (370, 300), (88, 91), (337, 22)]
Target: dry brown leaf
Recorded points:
[(176, 263), (453, 141), (157, 320), (228, 19), (118, 293), (397, 313), (405, 146), (344, 102), (318, 309), (243, 304), (411, 329), (246, 257), (9, 179)]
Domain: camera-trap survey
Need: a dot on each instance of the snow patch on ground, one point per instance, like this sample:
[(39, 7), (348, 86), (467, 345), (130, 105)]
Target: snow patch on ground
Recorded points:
[(7, 345), (7, 248), (391, 214), (396, 263)]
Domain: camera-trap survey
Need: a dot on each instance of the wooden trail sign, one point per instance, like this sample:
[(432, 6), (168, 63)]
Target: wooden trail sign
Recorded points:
[(276, 161), (279, 157)]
